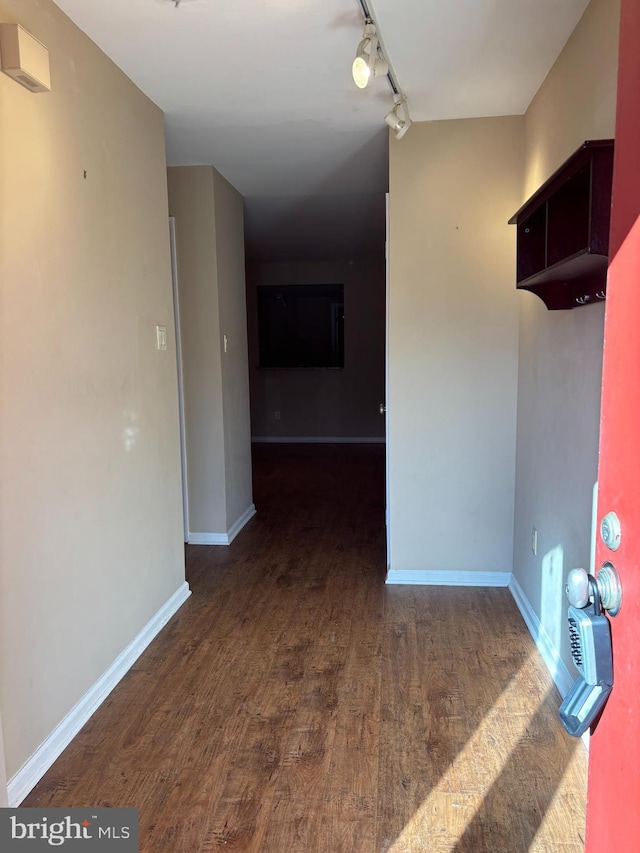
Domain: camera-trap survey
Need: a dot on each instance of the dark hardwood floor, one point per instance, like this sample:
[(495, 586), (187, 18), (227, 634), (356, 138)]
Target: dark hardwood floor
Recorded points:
[(295, 703)]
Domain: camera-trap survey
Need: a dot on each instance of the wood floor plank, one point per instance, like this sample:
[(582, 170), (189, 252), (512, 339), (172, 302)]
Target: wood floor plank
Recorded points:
[(295, 703)]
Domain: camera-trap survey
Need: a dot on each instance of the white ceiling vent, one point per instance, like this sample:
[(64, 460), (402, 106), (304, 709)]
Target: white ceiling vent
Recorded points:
[(24, 58)]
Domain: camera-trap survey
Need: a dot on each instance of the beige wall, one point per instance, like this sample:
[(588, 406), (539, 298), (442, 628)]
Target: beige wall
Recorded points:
[(91, 539), (229, 226), (577, 100), (325, 403), (210, 257), (453, 344), (191, 202), (561, 351)]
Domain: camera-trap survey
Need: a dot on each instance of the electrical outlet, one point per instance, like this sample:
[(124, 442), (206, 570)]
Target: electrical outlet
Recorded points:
[(276, 415), (534, 541)]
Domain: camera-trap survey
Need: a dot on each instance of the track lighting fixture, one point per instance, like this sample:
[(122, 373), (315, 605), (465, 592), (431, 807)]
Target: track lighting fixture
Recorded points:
[(399, 119), (369, 62)]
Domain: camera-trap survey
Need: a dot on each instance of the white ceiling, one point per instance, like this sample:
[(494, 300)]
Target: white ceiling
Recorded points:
[(262, 90)]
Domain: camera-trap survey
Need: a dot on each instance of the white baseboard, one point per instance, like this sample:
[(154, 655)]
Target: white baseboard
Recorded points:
[(223, 538), (316, 439), (35, 767), (543, 641), (240, 523), (207, 539), (436, 578)]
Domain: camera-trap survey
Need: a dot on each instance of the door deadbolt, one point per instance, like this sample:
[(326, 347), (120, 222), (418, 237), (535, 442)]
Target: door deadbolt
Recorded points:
[(610, 531)]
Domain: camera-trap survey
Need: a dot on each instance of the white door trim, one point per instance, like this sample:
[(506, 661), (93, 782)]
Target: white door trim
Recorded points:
[(386, 382), (4, 796), (183, 433)]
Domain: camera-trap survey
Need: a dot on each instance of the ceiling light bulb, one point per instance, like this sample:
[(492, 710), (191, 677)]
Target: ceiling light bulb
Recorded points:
[(368, 63), (361, 72), (403, 127), (392, 120), (398, 119)]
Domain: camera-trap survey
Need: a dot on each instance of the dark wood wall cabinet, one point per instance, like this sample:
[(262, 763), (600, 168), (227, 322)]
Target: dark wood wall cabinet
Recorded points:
[(563, 230)]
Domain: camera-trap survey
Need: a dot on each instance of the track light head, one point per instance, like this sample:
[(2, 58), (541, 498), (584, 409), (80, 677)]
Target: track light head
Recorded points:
[(399, 119), (368, 62)]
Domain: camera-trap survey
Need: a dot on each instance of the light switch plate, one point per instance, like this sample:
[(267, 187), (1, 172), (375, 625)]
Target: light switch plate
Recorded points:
[(161, 337)]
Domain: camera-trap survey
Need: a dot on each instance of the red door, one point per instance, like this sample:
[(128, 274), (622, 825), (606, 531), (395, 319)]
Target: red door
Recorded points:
[(613, 807)]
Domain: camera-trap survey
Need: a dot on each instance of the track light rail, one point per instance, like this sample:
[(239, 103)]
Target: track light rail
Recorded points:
[(369, 19)]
